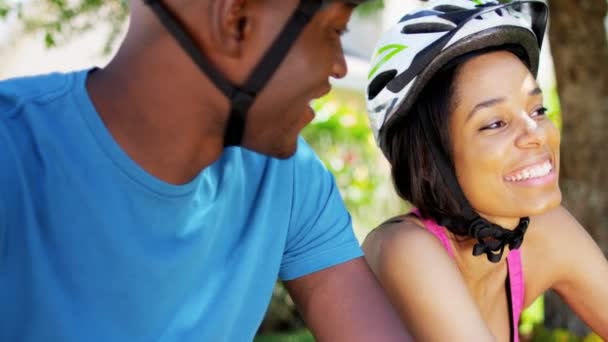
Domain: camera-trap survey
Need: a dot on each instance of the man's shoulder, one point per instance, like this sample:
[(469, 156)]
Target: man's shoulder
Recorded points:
[(20, 91), (306, 155), (24, 131)]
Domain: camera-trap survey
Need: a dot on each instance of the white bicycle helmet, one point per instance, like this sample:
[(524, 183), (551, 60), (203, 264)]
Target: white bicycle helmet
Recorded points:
[(412, 51)]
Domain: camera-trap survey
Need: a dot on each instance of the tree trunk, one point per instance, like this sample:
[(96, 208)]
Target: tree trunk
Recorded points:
[(580, 53)]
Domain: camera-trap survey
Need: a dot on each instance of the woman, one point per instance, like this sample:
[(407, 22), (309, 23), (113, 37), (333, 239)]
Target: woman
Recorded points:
[(456, 110)]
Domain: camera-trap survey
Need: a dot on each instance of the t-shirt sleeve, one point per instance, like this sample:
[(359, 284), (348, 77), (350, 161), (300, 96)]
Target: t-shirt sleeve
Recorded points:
[(320, 233)]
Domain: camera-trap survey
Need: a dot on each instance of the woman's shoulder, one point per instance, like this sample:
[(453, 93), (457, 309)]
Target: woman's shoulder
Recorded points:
[(547, 246), (401, 239), (551, 230), (393, 232), (402, 224), (420, 277)]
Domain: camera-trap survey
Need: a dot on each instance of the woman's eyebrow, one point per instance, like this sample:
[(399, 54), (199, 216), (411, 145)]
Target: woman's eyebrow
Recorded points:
[(495, 101), (535, 91), (484, 104)]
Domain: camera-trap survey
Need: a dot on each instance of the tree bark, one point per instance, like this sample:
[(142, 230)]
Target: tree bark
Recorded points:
[(580, 53)]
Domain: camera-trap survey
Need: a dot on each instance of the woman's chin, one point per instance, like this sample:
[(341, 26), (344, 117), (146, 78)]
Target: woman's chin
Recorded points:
[(507, 215), (542, 206)]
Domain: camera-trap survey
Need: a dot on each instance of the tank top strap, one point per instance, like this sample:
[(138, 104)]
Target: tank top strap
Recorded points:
[(516, 278), (515, 269), (436, 230)]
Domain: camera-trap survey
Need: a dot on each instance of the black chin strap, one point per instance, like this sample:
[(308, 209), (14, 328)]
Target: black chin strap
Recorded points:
[(491, 237), (241, 97)]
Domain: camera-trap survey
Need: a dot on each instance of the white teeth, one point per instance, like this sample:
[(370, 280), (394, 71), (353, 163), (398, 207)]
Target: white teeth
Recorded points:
[(536, 171), (531, 172)]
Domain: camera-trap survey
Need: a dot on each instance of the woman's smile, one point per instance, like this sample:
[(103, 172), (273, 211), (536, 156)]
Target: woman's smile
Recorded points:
[(535, 174)]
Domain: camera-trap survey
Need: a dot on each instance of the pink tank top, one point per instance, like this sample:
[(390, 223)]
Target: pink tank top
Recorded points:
[(514, 273)]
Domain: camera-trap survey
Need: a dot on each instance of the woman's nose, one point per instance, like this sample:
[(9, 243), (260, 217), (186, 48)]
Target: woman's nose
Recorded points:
[(532, 134)]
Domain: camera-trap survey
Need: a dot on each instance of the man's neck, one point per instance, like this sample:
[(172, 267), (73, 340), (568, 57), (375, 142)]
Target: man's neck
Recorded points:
[(171, 123)]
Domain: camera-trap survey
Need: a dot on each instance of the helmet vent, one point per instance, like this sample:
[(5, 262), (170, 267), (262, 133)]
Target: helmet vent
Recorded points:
[(420, 14), (426, 28), (515, 11), (380, 82), (499, 12), (448, 8)]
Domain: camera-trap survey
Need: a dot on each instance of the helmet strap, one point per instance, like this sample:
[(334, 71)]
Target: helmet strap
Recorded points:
[(241, 97), (492, 238)]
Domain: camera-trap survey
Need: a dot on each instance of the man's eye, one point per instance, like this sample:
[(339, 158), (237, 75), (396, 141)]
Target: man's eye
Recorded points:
[(341, 31), (494, 125)]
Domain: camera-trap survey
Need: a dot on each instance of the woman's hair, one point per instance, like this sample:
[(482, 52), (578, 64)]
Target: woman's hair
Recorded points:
[(415, 173)]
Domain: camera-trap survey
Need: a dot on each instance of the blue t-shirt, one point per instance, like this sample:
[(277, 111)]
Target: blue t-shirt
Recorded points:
[(94, 248)]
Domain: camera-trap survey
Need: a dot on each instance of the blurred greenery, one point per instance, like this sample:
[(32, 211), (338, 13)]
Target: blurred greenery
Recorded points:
[(370, 7), (541, 334), (297, 336), (341, 136), (60, 20), (551, 98), (532, 316)]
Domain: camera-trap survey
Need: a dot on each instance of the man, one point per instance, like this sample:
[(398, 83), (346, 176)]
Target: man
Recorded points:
[(159, 198)]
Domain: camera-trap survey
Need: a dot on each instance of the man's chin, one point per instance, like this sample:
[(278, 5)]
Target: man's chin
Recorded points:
[(284, 151)]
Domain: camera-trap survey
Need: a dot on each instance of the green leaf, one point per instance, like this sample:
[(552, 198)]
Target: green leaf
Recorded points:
[(4, 12), (370, 7), (49, 40)]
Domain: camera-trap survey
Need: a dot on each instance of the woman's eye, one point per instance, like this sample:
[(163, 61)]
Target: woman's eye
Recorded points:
[(542, 111), (494, 125)]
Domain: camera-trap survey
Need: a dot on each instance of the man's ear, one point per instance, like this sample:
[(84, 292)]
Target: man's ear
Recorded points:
[(231, 25)]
